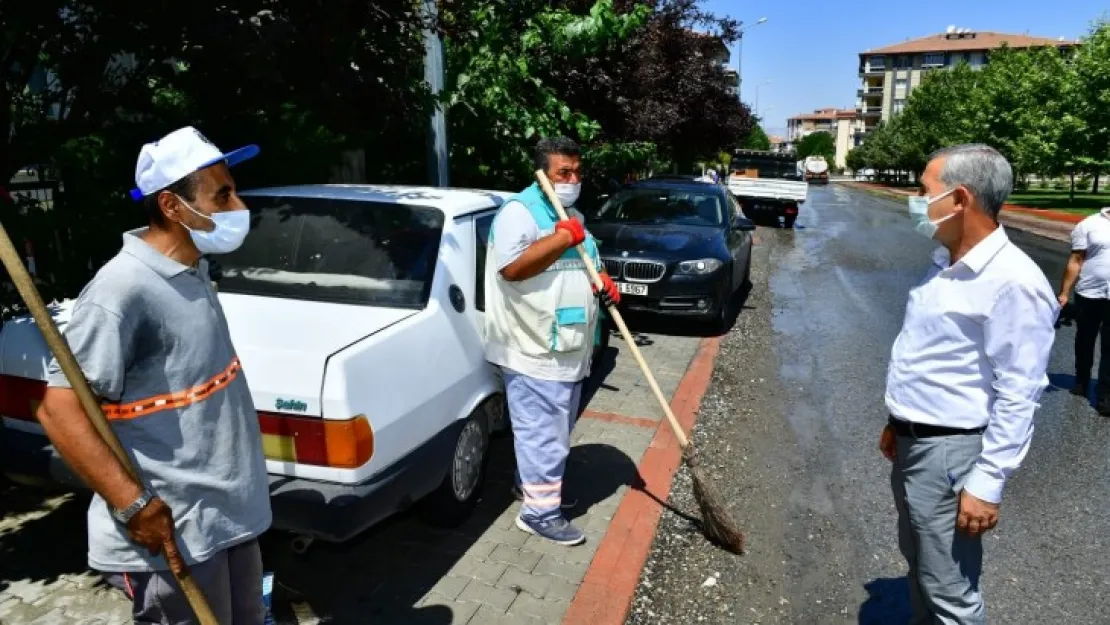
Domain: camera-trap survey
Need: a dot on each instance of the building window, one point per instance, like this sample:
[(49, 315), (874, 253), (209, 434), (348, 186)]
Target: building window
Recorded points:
[(878, 63), (903, 62), (934, 59), (899, 105)]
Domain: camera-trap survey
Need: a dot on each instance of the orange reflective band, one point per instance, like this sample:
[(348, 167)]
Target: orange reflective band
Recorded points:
[(543, 503), (174, 401)]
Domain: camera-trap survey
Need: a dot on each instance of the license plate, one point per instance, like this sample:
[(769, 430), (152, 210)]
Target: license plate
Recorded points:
[(632, 289)]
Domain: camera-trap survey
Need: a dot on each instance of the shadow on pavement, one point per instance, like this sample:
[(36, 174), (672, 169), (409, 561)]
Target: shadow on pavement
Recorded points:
[(49, 543), (599, 372), (888, 602), (380, 576), (594, 472), (1065, 382), (1060, 382)]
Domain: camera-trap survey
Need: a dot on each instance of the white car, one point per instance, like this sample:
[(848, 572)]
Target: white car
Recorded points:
[(357, 314)]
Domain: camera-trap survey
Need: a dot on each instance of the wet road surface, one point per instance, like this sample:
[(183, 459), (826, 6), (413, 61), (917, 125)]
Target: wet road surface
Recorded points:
[(790, 425)]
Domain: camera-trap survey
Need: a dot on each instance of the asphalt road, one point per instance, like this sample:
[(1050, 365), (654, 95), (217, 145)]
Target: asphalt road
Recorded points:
[(790, 426)]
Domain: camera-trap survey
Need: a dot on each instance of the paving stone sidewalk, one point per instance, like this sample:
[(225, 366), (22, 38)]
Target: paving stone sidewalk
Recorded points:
[(404, 571)]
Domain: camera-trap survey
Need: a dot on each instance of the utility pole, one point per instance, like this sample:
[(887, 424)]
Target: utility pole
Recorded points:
[(434, 76), (740, 56)]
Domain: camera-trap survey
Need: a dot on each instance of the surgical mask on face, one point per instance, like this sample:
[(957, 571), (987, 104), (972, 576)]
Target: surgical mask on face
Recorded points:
[(919, 213), (567, 193), (231, 228)]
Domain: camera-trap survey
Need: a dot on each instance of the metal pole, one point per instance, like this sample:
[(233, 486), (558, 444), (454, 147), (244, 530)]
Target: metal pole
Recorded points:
[(739, 66), (433, 75)]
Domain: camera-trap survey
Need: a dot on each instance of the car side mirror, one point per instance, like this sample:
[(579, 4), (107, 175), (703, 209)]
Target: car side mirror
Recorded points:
[(743, 224)]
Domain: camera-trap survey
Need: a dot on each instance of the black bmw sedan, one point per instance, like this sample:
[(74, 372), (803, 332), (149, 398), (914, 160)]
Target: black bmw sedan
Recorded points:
[(676, 247)]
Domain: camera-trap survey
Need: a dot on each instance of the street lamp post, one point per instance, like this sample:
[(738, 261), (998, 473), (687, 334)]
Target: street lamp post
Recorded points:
[(740, 55)]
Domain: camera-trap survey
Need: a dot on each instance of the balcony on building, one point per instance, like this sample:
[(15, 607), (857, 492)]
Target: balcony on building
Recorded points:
[(868, 111), (732, 77), (873, 66), (870, 91)]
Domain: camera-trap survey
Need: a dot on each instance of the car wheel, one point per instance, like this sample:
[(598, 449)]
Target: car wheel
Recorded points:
[(788, 221), (723, 320), (453, 501)]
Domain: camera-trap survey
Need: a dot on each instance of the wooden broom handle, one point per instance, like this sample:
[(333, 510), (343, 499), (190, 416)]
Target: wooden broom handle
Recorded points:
[(595, 277)]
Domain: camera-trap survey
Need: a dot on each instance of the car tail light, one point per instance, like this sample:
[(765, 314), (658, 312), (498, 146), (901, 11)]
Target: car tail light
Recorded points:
[(792, 209), (20, 397), (345, 444)]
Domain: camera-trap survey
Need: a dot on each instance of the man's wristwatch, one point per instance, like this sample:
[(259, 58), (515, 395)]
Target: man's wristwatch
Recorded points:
[(124, 515)]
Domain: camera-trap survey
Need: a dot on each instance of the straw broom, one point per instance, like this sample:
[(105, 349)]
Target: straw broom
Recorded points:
[(22, 279), (717, 525)]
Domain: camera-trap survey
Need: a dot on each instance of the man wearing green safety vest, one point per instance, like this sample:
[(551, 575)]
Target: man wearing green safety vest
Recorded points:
[(541, 318)]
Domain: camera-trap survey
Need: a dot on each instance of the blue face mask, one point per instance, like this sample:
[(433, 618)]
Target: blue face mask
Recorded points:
[(919, 213)]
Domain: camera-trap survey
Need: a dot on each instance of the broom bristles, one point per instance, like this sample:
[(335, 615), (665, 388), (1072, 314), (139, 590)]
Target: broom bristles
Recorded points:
[(717, 524)]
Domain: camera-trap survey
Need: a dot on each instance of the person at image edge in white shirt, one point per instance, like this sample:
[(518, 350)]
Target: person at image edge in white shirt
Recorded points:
[(1088, 270), (965, 375)]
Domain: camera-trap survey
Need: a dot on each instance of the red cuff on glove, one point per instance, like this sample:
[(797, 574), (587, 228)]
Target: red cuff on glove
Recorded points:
[(574, 228)]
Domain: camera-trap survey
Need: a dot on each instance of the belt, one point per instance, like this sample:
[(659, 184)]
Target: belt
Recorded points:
[(921, 430)]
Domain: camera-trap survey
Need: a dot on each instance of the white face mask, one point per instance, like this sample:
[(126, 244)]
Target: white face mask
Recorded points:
[(919, 213), (567, 193), (231, 228)]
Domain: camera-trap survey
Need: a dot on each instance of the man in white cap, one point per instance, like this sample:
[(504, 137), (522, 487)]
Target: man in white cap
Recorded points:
[(151, 337)]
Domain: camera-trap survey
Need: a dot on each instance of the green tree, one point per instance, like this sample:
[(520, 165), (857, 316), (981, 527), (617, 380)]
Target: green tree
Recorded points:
[(1092, 96), (818, 143), (757, 139), (501, 58)]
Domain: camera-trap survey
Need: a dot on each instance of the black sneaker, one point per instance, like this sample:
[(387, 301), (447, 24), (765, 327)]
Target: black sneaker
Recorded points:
[(568, 504), (1080, 389)]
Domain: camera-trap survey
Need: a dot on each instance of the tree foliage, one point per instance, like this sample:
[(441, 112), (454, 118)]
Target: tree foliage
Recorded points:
[(84, 83), (757, 139), (818, 143)]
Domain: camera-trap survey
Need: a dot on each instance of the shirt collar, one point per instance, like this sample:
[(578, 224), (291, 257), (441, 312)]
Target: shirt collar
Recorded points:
[(977, 257), (163, 265)]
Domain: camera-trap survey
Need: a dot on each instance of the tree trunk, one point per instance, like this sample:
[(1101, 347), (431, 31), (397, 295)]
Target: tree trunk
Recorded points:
[(1071, 195), (1094, 184)]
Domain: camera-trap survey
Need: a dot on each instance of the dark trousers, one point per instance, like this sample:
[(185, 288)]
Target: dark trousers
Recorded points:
[(1091, 315)]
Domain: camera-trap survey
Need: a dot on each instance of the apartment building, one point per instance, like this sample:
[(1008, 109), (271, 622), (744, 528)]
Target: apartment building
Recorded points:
[(888, 75), (842, 124)]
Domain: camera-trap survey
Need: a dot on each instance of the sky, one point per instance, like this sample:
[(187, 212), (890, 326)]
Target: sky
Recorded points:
[(806, 56)]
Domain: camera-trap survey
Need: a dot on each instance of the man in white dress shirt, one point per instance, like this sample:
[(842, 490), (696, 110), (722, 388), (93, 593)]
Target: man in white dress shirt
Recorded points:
[(1088, 270), (965, 375)]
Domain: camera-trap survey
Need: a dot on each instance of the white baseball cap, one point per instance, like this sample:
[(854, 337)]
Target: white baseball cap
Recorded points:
[(177, 155)]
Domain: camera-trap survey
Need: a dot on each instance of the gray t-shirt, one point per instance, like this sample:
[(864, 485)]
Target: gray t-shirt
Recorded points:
[(151, 337)]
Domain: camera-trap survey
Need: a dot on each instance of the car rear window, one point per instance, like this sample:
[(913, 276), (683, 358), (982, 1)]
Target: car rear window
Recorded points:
[(663, 206), (330, 250)]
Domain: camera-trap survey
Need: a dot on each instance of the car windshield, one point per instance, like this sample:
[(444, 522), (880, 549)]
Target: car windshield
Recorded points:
[(663, 206), (330, 250)]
